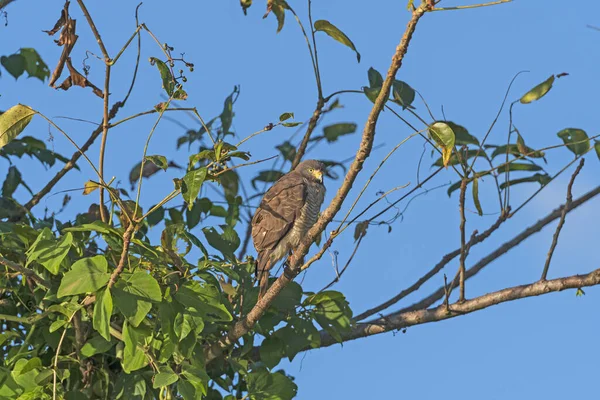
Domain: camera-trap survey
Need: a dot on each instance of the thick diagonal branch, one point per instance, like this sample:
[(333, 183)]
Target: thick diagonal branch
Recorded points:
[(244, 325), (440, 313)]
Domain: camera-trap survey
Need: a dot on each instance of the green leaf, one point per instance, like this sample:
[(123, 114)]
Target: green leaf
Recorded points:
[(102, 312), (403, 94), (278, 7), (164, 377), (271, 351), (86, 275), (444, 137), (298, 335), (159, 161), (514, 150), (286, 116), (576, 140), (263, 385), (34, 65), (12, 181), (96, 345), (375, 78), (56, 325), (227, 113), (542, 179), (30, 365), (168, 81), (133, 294), (14, 64), (455, 158), (89, 187), (156, 216), (204, 299), (372, 93), (196, 377), (51, 254), (193, 181), (333, 132), (476, 196), (335, 33), (538, 92), (133, 357), (287, 150), (267, 176), (183, 325), (291, 124), (226, 243), (13, 122), (462, 135), (289, 297), (515, 166), (331, 312), (597, 148)]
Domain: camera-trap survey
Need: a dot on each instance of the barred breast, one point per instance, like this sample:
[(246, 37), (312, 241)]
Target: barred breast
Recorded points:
[(315, 194), (310, 212)]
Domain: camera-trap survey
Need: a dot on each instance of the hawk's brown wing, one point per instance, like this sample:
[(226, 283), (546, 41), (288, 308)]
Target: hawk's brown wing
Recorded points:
[(277, 212)]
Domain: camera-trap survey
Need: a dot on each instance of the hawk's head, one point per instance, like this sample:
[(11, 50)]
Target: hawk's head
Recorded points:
[(312, 170)]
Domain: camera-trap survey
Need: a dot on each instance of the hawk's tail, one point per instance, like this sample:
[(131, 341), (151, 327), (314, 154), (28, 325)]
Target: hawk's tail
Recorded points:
[(263, 265)]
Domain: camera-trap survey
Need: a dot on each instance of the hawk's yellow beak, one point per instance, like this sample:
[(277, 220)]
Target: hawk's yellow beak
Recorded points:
[(318, 174)]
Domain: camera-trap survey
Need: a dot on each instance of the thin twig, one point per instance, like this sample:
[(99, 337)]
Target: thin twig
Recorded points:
[(561, 222), (106, 93), (504, 248), (431, 273), (25, 271), (340, 273), (312, 124), (491, 3), (463, 244)]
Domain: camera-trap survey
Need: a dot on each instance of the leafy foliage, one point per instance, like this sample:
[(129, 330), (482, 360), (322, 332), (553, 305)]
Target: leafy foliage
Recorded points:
[(129, 307)]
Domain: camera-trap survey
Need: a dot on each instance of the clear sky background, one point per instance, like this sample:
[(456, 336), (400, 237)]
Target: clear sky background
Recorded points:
[(462, 60)]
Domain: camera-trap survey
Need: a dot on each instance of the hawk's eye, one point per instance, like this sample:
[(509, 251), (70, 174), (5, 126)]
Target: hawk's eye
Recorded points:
[(311, 170)]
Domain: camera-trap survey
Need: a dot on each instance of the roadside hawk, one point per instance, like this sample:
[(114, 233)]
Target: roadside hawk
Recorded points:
[(286, 212)]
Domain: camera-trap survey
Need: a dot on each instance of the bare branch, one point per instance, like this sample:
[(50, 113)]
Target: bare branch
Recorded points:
[(437, 268), (507, 246), (312, 124), (561, 222), (440, 313), (463, 244)]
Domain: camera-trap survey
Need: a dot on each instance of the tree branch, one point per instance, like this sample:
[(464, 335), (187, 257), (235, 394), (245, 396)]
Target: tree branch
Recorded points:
[(312, 124), (244, 325), (72, 162), (410, 318), (437, 268), (515, 241), (561, 222), (463, 244), (126, 241), (25, 271)]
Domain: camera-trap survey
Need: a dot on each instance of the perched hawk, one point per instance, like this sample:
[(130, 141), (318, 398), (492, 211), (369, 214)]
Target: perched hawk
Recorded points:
[(287, 211)]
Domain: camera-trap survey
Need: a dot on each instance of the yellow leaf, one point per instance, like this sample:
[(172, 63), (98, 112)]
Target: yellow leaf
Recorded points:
[(89, 187)]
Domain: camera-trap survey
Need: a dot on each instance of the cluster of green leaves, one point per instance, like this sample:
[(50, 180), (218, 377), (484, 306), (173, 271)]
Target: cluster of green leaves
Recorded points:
[(25, 60), (144, 335)]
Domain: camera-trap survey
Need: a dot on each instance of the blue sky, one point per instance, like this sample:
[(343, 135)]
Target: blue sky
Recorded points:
[(461, 60)]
